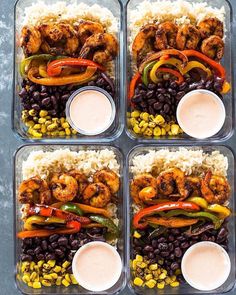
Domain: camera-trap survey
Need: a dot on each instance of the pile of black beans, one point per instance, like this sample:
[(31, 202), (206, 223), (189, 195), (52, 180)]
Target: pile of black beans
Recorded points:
[(53, 98), (163, 98), (171, 246), (59, 247)]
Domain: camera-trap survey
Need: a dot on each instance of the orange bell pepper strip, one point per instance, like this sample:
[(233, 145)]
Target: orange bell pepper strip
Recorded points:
[(215, 65), (133, 84), (59, 81), (172, 222), (54, 68)]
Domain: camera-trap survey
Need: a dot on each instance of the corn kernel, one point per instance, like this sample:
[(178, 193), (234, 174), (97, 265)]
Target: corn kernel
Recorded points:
[(62, 133), (141, 264), (43, 113), (148, 132), (160, 261), (65, 283), (138, 282), (41, 120), (145, 126), (63, 270), (67, 277), (139, 258), (30, 284), (157, 131), (66, 264), (153, 266), (178, 271), (152, 124), (159, 119), (37, 127), (163, 131), (162, 276), (37, 285), (62, 120), (33, 276), (136, 235), (168, 280), (74, 131), (26, 279), (52, 127), (57, 269), (164, 271), (68, 132), (174, 284), (32, 113), (58, 281), (46, 283), (29, 123), (40, 263), (142, 123), (135, 114), (47, 277), (36, 134), (174, 129), (25, 266), (161, 285), (133, 122), (173, 278), (48, 122), (65, 125), (46, 266), (52, 262), (134, 264), (144, 116), (148, 277), (54, 275), (151, 283), (73, 280), (136, 129)]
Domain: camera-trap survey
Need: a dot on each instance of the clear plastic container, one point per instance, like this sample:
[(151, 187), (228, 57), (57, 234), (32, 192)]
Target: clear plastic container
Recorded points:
[(185, 288), (21, 155), (228, 127), (117, 127)]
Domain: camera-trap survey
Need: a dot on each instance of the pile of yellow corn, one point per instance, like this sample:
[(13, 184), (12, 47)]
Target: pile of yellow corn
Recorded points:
[(151, 275), (48, 274), (143, 123), (41, 124)]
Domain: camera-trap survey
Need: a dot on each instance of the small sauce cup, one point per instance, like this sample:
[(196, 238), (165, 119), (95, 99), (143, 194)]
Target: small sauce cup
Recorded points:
[(90, 110)]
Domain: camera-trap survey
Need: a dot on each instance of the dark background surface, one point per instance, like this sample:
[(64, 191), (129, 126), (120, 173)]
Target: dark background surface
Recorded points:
[(9, 143)]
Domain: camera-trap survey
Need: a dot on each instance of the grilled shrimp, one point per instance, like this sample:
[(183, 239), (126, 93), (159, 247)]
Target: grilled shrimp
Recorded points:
[(211, 26), (80, 178), (143, 188), (215, 189), (109, 178), (170, 180), (144, 41), (97, 195), (102, 46), (59, 38), (187, 37), (64, 187), (34, 190), (31, 40), (213, 47), (87, 28), (166, 35), (193, 185)]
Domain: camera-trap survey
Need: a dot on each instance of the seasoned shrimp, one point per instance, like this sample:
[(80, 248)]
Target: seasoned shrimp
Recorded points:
[(144, 41), (64, 187), (215, 189), (211, 26), (31, 40), (170, 180), (187, 37), (59, 38), (97, 195), (109, 178), (193, 185), (143, 188), (34, 190), (87, 28), (103, 47), (80, 178), (166, 35), (213, 47)]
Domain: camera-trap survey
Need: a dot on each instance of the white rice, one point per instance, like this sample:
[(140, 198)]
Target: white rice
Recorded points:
[(192, 162), (88, 162), (179, 11), (70, 11)]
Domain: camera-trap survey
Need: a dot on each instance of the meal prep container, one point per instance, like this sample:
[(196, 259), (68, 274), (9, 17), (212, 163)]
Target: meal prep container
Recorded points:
[(185, 288), (20, 156), (116, 128), (227, 129)]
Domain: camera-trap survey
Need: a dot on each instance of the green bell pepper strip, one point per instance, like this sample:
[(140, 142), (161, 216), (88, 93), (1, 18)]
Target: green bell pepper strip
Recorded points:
[(72, 208), (107, 222), (26, 61), (216, 221), (146, 70)]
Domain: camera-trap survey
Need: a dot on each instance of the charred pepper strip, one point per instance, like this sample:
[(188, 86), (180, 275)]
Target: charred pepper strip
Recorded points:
[(107, 222), (59, 81), (159, 208), (31, 221), (54, 68), (70, 207), (172, 222), (47, 211), (133, 84)]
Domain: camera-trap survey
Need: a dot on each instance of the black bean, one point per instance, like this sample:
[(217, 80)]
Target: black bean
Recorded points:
[(46, 101), (157, 251), (40, 256), (44, 245), (164, 253), (170, 247), (58, 252), (151, 86), (150, 94), (37, 241), (25, 257), (184, 245), (160, 90), (23, 93), (154, 243), (181, 238), (158, 105), (70, 256), (166, 108), (62, 241), (151, 101), (171, 238), (148, 248), (54, 245), (173, 85), (163, 246), (75, 244), (172, 256), (50, 256), (30, 252), (53, 238), (151, 255), (161, 240), (151, 111), (171, 91), (178, 252), (28, 241)]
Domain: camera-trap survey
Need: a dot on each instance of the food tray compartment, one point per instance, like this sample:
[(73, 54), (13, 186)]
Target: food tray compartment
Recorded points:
[(116, 128), (185, 288), (21, 155), (228, 127)]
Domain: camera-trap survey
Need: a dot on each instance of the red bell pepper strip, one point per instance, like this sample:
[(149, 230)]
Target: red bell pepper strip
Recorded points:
[(133, 84), (161, 207), (175, 73), (46, 232), (215, 65), (54, 68), (47, 211)]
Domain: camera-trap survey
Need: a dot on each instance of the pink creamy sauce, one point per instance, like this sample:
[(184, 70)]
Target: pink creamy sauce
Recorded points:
[(200, 115), (206, 266), (97, 267), (91, 111)]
